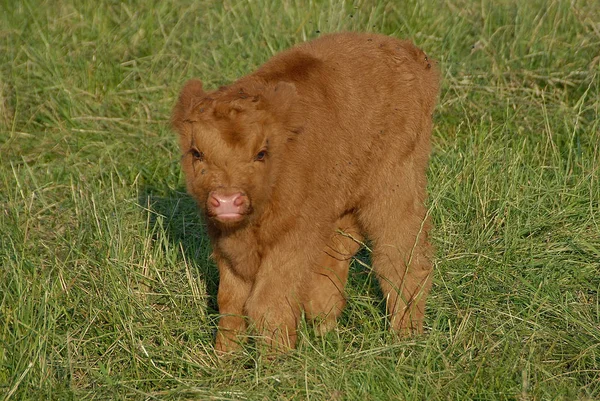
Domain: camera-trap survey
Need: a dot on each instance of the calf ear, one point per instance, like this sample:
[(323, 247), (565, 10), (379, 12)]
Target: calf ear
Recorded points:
[(191, 91), (282, 98), (282, 102)]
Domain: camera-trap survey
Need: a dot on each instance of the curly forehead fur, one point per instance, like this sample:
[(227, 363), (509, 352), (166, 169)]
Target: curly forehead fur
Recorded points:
[(233, 108)]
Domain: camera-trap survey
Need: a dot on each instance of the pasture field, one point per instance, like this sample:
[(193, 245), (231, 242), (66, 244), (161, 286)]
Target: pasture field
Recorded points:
[(107, 290)]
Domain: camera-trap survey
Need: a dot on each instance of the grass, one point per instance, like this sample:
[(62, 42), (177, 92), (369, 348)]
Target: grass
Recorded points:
[(106, 287)]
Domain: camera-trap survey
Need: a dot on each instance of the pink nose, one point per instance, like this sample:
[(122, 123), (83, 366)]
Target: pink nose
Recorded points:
[(223, 200), (226, 204)]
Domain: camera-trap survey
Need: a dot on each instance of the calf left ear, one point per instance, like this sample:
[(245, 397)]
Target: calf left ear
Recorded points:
[(281, 98), (282, 102)]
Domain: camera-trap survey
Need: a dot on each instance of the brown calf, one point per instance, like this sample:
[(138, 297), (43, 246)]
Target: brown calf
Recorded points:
[(294, 163)]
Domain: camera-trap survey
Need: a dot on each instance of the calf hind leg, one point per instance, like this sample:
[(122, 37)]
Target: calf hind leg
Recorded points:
[(401, 260), (324, 297)]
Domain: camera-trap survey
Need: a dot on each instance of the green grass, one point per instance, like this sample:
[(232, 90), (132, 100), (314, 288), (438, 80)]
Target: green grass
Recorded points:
[(106, 287)]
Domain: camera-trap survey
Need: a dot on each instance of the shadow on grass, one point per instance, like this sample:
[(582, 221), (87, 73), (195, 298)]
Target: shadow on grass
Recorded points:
[(176, 213)]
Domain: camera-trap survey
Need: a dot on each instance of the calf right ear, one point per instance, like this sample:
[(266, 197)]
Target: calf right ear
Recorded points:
[(191, 91)]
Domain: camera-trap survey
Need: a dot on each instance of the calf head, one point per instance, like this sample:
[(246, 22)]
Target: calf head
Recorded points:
[(232, 141)]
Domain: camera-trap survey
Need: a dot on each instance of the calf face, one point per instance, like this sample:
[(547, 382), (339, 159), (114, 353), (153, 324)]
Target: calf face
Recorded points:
[(231, 147)]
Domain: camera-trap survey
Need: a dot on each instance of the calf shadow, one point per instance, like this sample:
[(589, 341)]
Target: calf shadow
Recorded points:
[(175, 213)]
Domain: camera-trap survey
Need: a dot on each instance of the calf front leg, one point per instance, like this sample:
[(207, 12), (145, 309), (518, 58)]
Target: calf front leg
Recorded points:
[(274, 305), (274, 313), (232, 295)]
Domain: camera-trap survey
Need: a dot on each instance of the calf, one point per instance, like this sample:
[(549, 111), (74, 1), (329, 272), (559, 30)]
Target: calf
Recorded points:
[(293, 164)]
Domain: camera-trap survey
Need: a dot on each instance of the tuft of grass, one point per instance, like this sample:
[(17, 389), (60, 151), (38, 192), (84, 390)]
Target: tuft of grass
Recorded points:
[(107, 290)]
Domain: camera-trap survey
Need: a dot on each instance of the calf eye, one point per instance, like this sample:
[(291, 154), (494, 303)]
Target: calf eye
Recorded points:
[(197, 155), (260, 156)]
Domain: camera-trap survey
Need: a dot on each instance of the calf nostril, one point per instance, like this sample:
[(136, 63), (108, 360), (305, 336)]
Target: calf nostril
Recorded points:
[(239, 200), (214, 201)]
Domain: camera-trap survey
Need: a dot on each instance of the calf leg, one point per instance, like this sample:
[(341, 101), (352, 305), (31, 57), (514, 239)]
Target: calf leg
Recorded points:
[(323, 297), (232, 295), (274, 312), (398, 229), (274, 303)]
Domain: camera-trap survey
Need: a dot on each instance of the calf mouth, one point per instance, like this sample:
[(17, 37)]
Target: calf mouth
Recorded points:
[(228, 221), (228, 218)]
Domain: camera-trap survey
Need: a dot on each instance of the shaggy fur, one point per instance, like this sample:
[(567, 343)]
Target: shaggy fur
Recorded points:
[(294, 163)]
